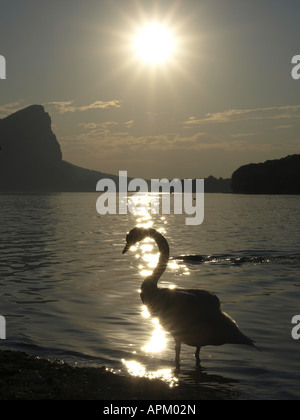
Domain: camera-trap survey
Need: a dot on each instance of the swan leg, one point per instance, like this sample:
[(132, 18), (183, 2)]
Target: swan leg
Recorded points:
[(197, 355), (177, 353)]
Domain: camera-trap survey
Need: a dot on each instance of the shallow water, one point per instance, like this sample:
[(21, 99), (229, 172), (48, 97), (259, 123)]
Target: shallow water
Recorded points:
[(68, 293)]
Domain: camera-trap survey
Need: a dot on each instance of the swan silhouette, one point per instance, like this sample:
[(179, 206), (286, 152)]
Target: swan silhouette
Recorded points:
[(193, 317)]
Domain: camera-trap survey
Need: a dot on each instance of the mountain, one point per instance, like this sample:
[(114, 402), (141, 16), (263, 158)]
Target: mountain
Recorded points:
[(279, 176), (31, 161), (31, 158)]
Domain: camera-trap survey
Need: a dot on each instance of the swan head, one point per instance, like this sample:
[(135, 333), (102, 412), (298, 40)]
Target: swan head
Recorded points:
[(136, 234)]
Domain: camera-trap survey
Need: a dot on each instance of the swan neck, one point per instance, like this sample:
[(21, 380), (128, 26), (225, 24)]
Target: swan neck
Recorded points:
[(164, 251)]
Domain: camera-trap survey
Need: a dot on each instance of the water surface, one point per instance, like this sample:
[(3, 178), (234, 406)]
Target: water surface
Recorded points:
[(68, 293)]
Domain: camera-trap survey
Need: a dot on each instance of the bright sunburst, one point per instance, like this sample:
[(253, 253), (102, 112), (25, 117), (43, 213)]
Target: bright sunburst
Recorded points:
[(154, 43)]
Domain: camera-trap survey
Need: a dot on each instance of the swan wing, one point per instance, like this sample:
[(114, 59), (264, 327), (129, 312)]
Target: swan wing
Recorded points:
[(183, 309), (203, 297)]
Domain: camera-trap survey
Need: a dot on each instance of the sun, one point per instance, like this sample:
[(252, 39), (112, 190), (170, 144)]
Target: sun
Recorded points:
[(154, 43)]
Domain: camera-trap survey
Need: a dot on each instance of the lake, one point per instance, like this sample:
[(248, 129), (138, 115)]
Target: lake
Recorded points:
[(68, 293)]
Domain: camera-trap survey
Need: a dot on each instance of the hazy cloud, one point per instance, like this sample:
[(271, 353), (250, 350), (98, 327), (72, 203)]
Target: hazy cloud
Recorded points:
[(239, 135), (67, 106), (94, 125), (233, 115), (282, 127), (129, 124), (10, 108)]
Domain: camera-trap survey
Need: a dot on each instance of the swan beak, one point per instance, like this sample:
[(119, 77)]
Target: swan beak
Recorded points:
[(127, 246)]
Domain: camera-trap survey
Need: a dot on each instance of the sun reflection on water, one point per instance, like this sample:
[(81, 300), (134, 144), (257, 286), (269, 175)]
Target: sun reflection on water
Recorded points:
[(135, 368), (157, 342), (140, 206), (147, 254)]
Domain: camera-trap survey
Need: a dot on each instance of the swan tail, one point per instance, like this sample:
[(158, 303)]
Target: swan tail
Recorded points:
[(249, 342), (254, 346)]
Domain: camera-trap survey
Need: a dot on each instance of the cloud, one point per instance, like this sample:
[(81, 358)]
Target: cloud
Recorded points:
[(282, 127), (67, 106), (239, 135), (142, 146), (93, 125), (10, 108), (116, 142), (129, 124), (234, 115)]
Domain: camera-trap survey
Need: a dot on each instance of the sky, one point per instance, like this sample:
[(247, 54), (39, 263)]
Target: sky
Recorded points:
[(224, 97)]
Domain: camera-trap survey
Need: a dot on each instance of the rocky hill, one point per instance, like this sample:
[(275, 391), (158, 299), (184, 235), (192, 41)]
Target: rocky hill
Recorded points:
[(31, 158)]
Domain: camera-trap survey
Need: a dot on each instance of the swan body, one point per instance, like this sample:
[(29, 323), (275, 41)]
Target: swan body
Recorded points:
[(193, 317)]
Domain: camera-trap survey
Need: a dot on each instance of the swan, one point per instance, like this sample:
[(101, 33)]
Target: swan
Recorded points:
[(193, 317)]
